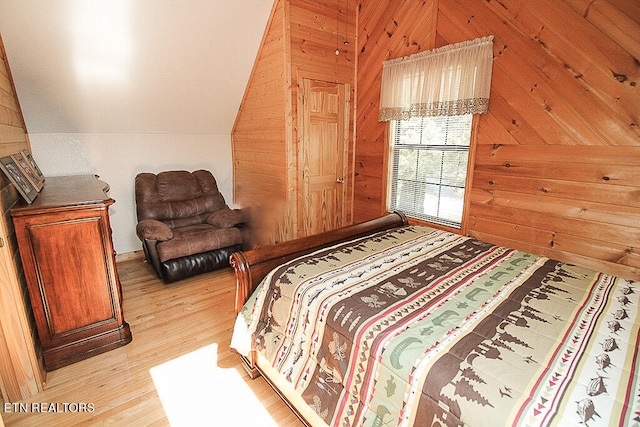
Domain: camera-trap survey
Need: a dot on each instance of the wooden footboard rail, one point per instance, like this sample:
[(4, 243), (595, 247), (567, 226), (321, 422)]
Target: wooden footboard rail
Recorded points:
[(251, 266)]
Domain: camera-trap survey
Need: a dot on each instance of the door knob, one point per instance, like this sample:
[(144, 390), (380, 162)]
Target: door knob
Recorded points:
[(340, 180)]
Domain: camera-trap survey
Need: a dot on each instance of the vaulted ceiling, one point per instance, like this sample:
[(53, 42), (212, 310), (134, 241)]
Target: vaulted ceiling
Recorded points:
[(127, 66)]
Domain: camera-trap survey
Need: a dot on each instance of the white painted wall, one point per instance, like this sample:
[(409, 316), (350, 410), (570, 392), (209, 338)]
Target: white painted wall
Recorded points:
[(117, 158), (118, 66)]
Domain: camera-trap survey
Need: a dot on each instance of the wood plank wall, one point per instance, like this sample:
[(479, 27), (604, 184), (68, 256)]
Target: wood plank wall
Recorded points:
[(386, 30), (557, 162), (260, 134), (299, 42), (21, 370)]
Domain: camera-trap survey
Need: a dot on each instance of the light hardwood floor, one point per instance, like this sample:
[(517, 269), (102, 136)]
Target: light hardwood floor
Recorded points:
[(178, 370)]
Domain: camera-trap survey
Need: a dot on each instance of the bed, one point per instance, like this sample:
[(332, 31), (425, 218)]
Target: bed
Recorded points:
[(386, 323)]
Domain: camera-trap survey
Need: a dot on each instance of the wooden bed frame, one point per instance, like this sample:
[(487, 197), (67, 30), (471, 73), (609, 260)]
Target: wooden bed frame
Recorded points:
[(253, 265)]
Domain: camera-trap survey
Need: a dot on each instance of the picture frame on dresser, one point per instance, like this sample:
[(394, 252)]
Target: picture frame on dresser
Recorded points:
[(19, 180), (27, 155), (28, 171)]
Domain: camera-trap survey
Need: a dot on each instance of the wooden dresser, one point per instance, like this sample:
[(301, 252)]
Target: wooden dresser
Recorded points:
[(67, 253)]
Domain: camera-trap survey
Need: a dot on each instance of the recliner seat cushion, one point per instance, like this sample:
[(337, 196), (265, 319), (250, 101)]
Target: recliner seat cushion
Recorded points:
[(196, 239)]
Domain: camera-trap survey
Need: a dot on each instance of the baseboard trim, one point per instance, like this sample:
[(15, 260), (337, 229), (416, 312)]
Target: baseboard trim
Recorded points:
[(128, 256)]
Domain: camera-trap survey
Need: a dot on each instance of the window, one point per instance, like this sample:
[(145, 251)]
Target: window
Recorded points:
[(429, 167), (429, 99)]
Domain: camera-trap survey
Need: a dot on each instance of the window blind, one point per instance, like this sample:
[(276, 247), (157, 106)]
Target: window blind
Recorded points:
[(429, 167)]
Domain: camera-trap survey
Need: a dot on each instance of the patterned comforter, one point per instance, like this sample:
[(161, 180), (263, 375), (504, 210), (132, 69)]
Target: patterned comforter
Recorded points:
[(415, 326)]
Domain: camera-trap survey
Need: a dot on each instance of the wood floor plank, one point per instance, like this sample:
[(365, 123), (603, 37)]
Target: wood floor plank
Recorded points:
[(179, 330)]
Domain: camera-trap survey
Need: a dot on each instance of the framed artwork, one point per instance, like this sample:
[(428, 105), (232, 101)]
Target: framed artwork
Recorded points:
[(27, 155), (28, 171), (15, 175)]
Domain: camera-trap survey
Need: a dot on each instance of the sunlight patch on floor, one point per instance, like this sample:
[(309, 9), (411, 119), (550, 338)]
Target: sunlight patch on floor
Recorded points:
[(195, 391)]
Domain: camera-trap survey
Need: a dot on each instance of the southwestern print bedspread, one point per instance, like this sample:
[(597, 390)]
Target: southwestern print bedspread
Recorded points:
[(415, 326)]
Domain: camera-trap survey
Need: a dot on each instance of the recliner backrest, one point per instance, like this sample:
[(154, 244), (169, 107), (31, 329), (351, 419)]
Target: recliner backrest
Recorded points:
[(177, 198)]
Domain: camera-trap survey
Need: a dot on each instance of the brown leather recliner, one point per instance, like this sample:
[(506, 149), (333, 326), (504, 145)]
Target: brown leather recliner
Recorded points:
[(185, 225)]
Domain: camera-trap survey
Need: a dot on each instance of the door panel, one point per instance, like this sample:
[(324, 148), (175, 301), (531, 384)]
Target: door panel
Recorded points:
[(323, 151)]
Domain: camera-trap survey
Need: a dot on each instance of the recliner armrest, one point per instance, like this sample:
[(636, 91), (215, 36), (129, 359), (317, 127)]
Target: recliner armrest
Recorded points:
[(226, 218), (152, 229)]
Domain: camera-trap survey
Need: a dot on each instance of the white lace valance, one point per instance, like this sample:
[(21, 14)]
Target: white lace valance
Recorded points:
[(448, 81)]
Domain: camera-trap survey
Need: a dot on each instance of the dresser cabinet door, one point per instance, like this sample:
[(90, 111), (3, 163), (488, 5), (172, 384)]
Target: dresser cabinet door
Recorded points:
[(73, 284)]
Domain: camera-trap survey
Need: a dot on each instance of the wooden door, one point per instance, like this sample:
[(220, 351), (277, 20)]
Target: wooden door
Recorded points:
[(323, 153)]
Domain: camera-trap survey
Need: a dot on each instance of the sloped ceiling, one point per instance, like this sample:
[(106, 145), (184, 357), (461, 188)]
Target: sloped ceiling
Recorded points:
[(112, 66)]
